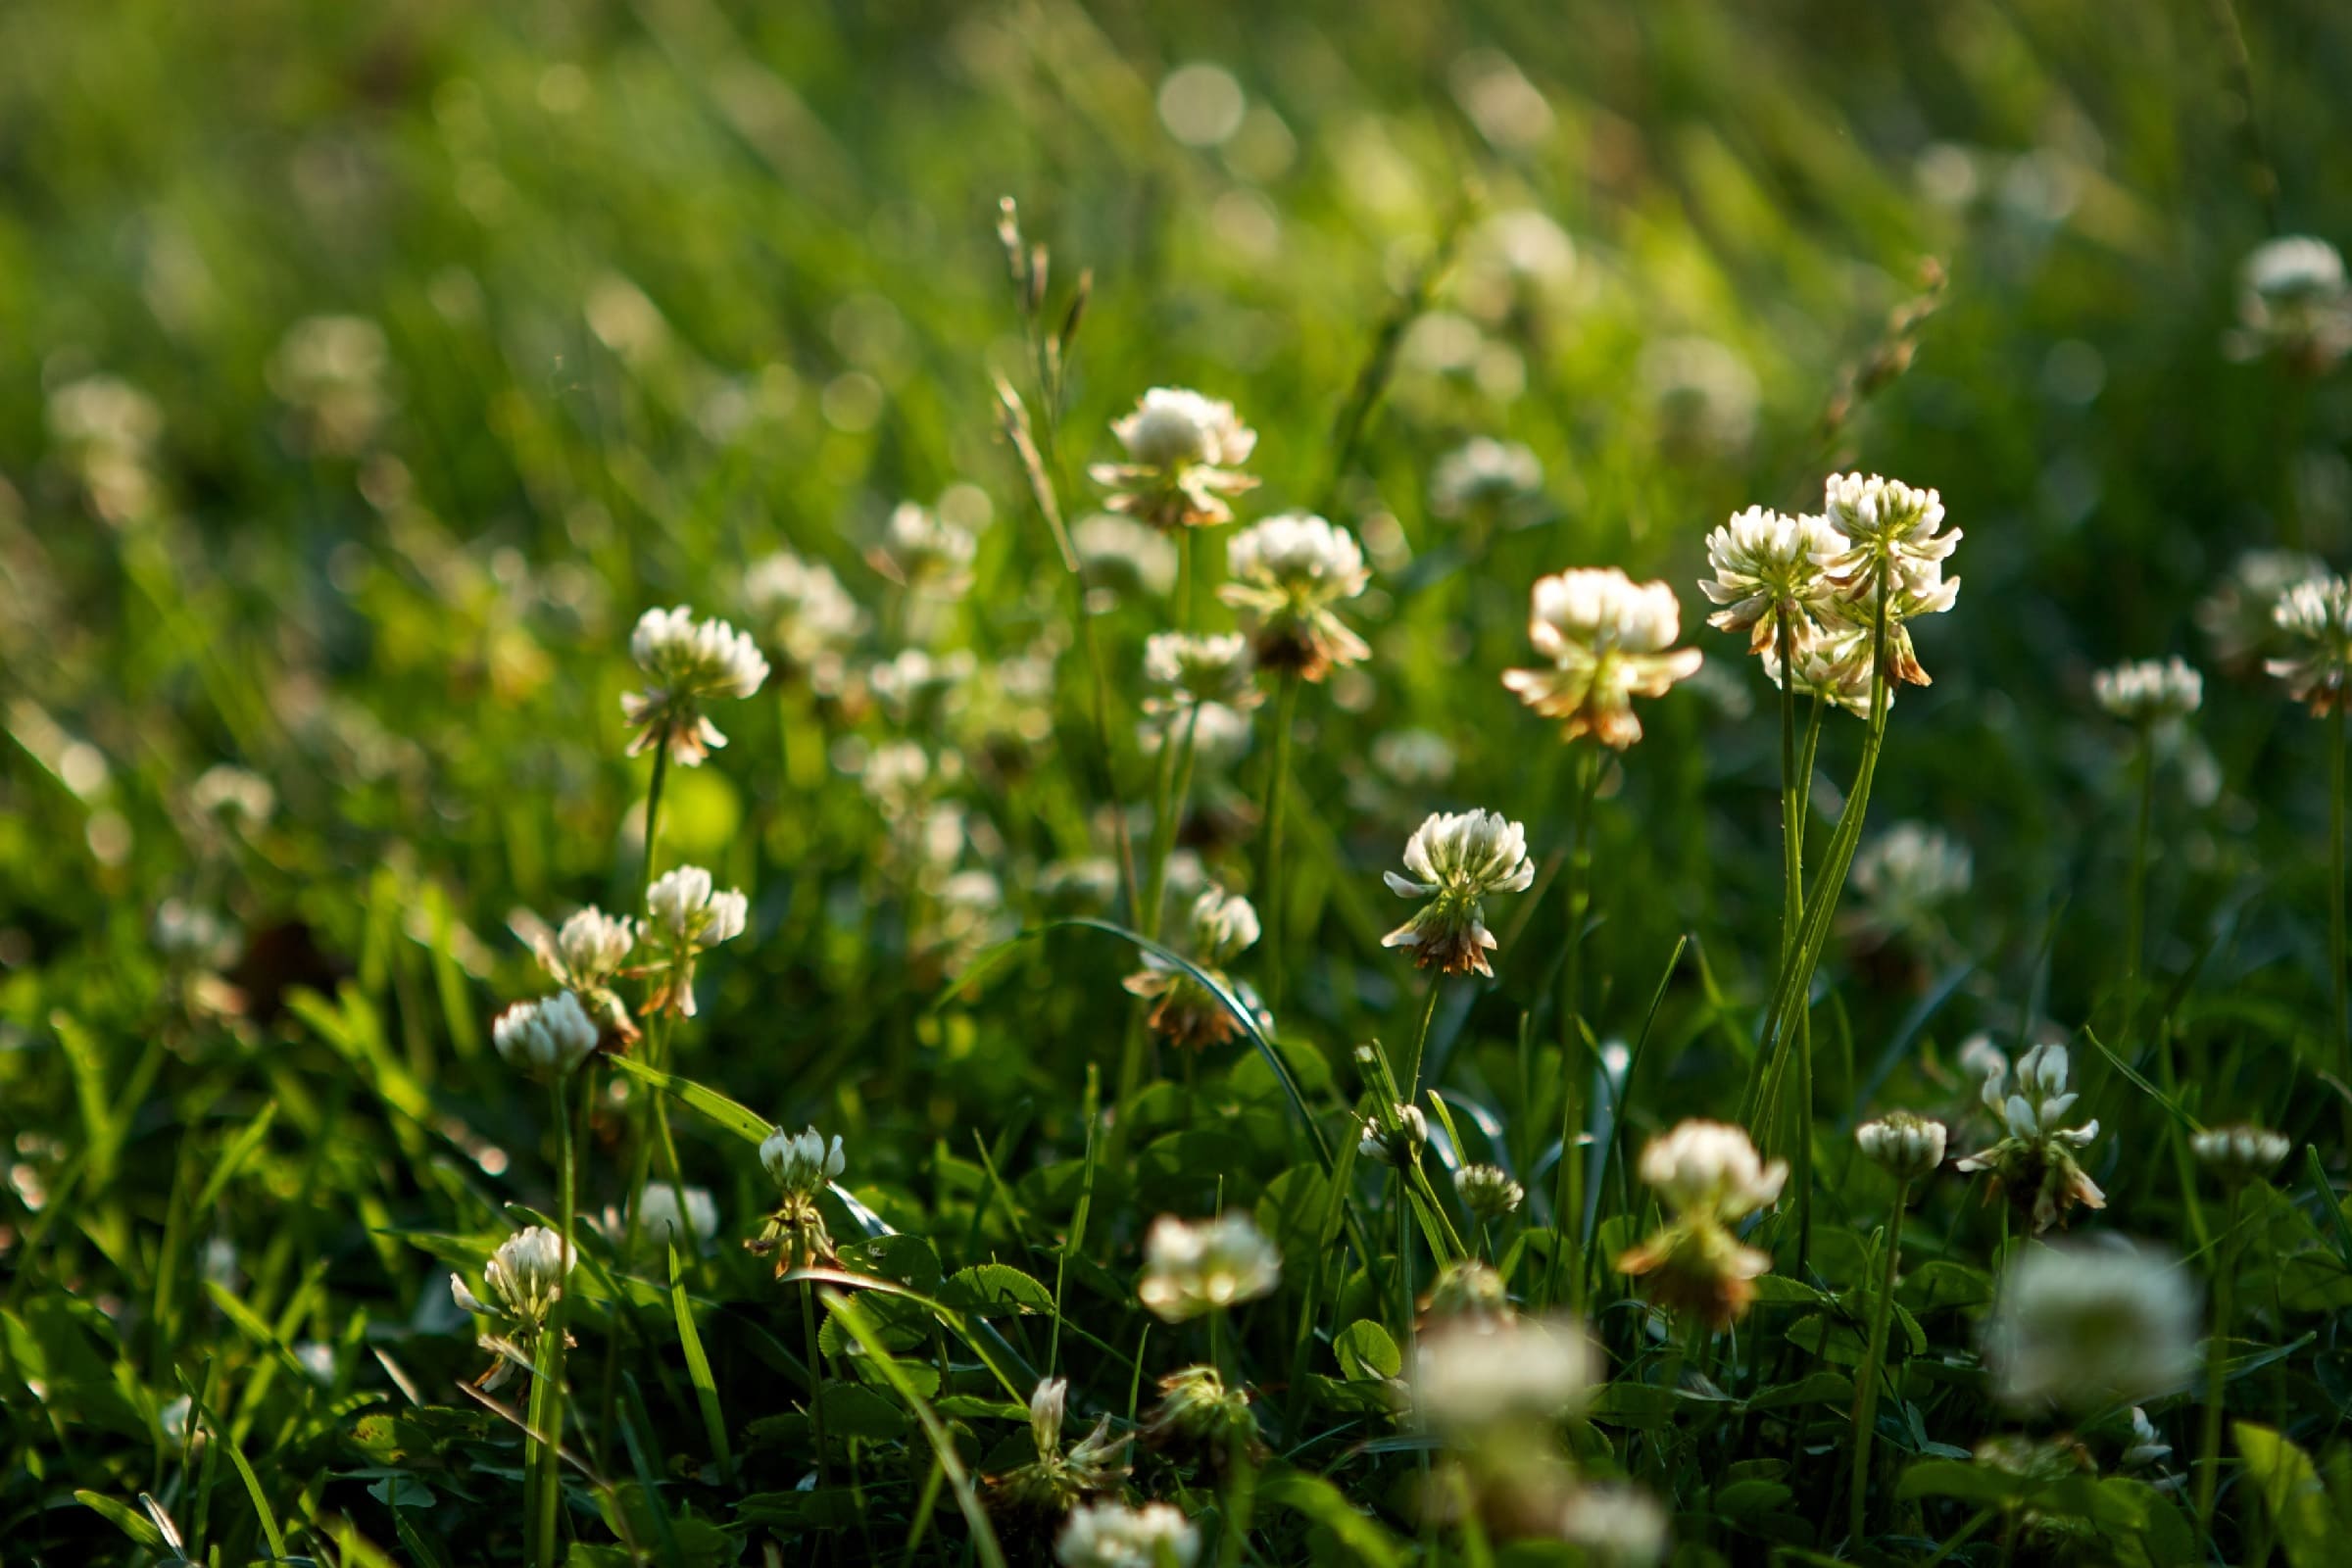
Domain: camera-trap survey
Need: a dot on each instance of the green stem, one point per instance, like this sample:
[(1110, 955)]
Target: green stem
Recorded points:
[(2341, 1023), (1278, 781), (1409, 1079), (1874, 1360), (1569, 1185), (1167, 812), (816, 1353), (2209, 1443), (2136, 927), (653, 817), (548, 1379)]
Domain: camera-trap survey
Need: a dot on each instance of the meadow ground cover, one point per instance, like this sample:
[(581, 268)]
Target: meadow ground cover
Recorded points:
[(1139, 787)]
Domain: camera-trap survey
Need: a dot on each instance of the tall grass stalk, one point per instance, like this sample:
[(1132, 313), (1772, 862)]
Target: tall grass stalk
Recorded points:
[(2337, 981), (1278, 787), (2136, 928), (1569, 1187)]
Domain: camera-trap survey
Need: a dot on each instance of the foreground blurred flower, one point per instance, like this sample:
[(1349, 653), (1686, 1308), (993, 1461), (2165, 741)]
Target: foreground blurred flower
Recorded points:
[(2086, 1327), (2293, 302), (1193, 1268), (1711, 1177), (1190, 1013), (1457, 859), (1289, 573), (1111, 1535), (1909, 1146), (1473, 1375), (1768, 564), (1608, 641), (2149, 691), (1053, 1482), (1614, 1524), (1184, 456), (1487, 1191), (524, 1279), (1906, 875), (2239, 1153), (688, 662), (585, 957), (546, 1039), (1200, 1418), (801, 1165), (685, 917), (2035, 1166), (1187, 672), (2315, 625)]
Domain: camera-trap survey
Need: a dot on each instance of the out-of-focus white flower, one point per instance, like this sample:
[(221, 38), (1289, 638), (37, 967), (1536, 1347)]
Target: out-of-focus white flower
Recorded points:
[(227, 793), (1517, 260), (1606, 641), (1288, 576), (1220, 735), (1711, 1169), (2239, 1152), (1122, 558), (1474, 1374), (688, 662), (917, 689), (588, 949), (809, 616), (1907, 874), (1222, 926), (2292, 301), (177, 1421), (333, 371), (1711, 1177), (1909, 1146), (2086, 1326), (1415, 758), (664, 1223), (1400, 1147), (524, 1279), (318, 1359), (2035, 1164), (1705, 395), (2149, 691), (2147, 1449), (106, 430), (1111, 1535), (1206, 1266), (1496, 481), (1615, 1525), (801, 1164), (1187, 670), (192, 935), (2315, 625), (2239, 616), (1768, 564), (1184, 458), (924, 552), (685, 917), (1487, 1191), (547, 1039), (1457, 859)]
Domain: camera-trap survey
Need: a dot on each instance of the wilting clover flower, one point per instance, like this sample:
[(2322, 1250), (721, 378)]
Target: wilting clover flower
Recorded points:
[(2293, 302), (585, 957), (1056, 1481), (1206, 1268), (1487, 1191), (1401, 1145), (1476, 1374), (2240, 1152), (1289, 574), (1614, 1524), (1457, 859), (801, 1165), (1198, 1417), (1606, 640), (1486, 480), (546, 1039), (1187, 671), (1190, 1013), (1884, 524), (810, 619), (1111, 1535), (524, 1279), (1906, 874), (685, 918), (2086, 1325), (924, 552), (1909, 1146), (1184, 458), (2314, 624), (2149, 691), (688, 662), (1768, 566), (1709, 1175), (2035, 1164)]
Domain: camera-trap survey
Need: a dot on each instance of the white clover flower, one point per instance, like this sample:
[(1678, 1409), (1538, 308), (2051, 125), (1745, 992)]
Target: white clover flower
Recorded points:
[(1475, 1373), (547, 1039), (917, 689), (1768, 564), (2292, 301), (192, 935), (2086, 1326), (1187, 671), (1414, 758), (2147, 1449), (524, 1279), (1457, 859), (1615, 1525), (1705, 395), (2035, 1164), (1711, 1169), (1055, 1480), (1289, 574), (1184, 456), (1607, 640), (1402, 1147), (1122, 558), (1884, 522), (2240, 1152), (660, 1218), (1204, 1267), (685, 917), (1487, 1191), (688, 662), (1907, 873), (1111, 1535), (810, 618), (926, 554), (1222, 926), (334, 371), (801, 1164), (1909, 1146), (228, 793), (588, 951), (1834, 664), (1220, 735), (1486, 479), (106, 430), (2315, 625), (2149, 691)]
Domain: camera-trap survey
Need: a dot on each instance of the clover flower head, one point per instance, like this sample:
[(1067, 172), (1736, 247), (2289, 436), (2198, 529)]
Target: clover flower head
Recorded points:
[(588, 949), (801, 1164), (1054, 1482), (1184, 456), (1834, 662), (687, 662), (1401, 1146), (685, 917), (2292, 301), (2239, 1152), (1465, 1288), (1111, 1535), (547, 1039), (1486, 479), (2035, 1163), (1712, 1168), (2314, 618), (1198, 1416), (663, 1222), (333, 371), (1415, 758), (1457, 858), (924, 552), (1289, 574), (1122, 558), (810, 618), (1907, 874), (1222, 926), (2240, 616), (2149, 691), (1909, 1146), (1882, 522), (227, 793), (1187, 671), (2085, 1327), (1476, 1375), (1615, 1525), (1487, 1191), (1606, 640), (1768, 564), (1711, 1177), (1208, 1266), (524, 1279), (918, 688), (2149, 1449)]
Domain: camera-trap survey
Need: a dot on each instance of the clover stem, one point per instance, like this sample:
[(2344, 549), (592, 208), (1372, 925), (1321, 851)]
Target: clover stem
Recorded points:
[(1874, 1360), (1568, 1205), (1278, 780), (2209, 1441)]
